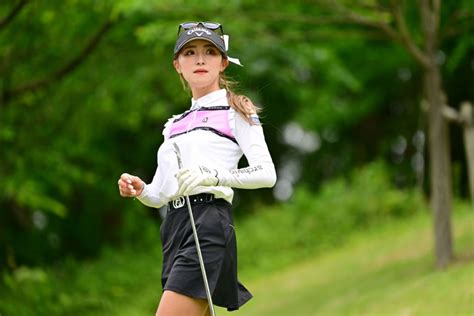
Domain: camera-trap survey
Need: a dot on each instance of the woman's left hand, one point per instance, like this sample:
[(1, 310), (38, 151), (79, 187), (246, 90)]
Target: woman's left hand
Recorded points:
[(189, 179)]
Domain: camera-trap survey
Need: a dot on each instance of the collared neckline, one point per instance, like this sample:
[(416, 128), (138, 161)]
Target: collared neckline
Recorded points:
[(210, 99)]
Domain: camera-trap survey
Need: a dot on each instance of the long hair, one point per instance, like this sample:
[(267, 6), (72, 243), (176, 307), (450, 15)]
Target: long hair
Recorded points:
[(240, 103)]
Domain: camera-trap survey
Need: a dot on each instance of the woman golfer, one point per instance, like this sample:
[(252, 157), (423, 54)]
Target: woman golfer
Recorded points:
[(211, 137)]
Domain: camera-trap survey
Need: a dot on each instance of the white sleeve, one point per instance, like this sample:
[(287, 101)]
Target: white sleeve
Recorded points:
[(261, 172), (149, 196)]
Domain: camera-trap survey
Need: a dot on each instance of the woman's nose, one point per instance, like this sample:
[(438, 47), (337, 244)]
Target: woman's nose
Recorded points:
[(200, 59)]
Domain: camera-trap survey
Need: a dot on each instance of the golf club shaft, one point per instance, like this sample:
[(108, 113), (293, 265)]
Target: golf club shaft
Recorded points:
[(196, 239), (201, 261)]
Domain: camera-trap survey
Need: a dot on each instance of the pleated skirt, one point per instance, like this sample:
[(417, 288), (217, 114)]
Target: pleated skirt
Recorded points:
[(181, 269)]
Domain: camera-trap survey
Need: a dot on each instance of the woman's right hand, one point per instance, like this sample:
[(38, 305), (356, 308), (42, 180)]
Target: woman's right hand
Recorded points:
[(130, 186)]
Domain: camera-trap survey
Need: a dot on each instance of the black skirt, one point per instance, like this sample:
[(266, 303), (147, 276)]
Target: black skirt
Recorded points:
[(181, 270)]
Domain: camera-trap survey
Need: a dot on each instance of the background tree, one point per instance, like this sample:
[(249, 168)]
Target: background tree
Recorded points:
[(422, 41), (86, 86)]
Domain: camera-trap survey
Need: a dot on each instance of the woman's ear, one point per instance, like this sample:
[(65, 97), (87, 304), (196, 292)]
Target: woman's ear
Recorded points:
[(176, 66), (224, 64)]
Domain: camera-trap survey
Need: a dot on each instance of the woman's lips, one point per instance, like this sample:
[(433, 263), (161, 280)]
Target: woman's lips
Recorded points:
[(200, 71)]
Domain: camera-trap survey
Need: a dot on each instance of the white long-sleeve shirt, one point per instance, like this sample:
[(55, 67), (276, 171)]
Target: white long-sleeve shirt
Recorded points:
[(214, 135)]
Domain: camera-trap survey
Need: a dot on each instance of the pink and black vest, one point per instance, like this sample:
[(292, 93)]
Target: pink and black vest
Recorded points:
[(214, 119)]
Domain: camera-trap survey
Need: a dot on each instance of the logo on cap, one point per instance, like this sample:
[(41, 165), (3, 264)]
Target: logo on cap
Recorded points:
[(199, 31)]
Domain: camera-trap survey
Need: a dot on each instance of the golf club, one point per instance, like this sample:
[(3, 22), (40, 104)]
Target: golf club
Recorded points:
[(196, 239)]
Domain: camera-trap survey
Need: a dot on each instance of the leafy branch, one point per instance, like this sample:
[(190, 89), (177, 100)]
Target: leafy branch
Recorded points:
[(58, 74), (13, 13)]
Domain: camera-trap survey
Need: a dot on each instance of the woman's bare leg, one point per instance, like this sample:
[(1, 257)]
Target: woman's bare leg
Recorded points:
[(175, 304)]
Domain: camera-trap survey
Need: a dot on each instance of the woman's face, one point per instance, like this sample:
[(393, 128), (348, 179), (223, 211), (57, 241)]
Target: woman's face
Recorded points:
[(200, 63)]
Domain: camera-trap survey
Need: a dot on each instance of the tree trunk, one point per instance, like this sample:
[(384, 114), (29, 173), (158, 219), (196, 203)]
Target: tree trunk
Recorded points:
[(440, 169), (439, 149), (467, 116)]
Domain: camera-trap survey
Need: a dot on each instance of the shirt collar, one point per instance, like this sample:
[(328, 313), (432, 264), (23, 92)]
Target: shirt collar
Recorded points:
[(218, 97)]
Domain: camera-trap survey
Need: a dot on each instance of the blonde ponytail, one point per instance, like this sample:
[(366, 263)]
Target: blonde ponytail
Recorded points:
[(240, 103)]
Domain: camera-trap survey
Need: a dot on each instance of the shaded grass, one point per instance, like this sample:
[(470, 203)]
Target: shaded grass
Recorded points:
[(388, 270)]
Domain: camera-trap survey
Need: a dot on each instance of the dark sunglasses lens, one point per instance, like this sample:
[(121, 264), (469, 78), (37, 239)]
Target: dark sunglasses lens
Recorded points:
[(188, 25), (211, 25), (214, 26)]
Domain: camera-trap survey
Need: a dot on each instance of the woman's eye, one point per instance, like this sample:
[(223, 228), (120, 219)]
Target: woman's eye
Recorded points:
[(211, 51), (188, 52)]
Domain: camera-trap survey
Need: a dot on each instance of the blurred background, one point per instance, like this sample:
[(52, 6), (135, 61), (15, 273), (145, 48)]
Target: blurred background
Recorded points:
[(86, 86)]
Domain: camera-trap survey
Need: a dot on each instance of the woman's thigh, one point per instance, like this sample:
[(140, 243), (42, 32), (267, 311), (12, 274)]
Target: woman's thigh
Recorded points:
[(175, 304)]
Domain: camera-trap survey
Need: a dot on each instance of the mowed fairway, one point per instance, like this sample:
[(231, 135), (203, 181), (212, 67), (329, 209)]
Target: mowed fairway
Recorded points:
[(385, 271)]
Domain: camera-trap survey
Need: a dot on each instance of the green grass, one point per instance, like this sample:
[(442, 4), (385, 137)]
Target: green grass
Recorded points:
[(127, 281), (387, 270)]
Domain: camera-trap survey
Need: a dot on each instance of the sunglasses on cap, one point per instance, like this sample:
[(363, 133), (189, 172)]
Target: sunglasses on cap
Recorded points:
[(209, 25)]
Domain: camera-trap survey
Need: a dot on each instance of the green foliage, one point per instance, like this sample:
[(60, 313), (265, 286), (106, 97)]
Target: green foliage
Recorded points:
[(100, 113), (126, 282), (267, 240), (311, 223), (87, 288)]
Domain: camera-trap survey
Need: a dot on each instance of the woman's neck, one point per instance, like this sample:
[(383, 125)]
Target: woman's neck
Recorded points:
[(200, 92)]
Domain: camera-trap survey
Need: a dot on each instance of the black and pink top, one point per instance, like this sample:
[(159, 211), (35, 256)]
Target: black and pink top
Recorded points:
[(214, 119), (210, 134)]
